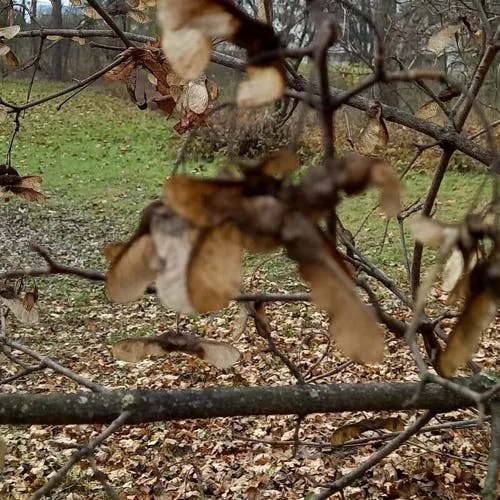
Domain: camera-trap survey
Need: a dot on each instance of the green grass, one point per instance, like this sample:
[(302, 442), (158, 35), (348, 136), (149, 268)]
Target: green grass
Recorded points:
[(97, 149), (101, 155)]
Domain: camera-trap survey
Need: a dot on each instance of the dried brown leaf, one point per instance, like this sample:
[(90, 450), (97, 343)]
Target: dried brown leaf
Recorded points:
[(384, 177), (463, 342), (263, 85), (453, 270), (352, 431), (4, 49), (174, 238), (360, 172), (431, 232), (215, 268), (443, 38), (202, 202), (375, 134), (219, 354), (334, 291), (9, 32), (188, 28), (11, 59), (131, 272)]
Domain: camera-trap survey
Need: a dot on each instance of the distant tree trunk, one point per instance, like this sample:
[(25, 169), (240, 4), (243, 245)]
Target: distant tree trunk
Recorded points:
[(57, 23), (385, 11)]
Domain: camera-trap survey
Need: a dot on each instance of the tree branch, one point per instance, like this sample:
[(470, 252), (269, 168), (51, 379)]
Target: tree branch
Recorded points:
[(300, 399), (390, 113)]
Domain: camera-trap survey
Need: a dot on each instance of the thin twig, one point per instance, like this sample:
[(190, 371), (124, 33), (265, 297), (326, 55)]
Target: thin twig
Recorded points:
[(490, 489), (79, 454), (386, 450), (50, 363)]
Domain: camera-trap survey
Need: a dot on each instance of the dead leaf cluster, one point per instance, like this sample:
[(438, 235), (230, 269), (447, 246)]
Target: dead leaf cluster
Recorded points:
[(471, 273), (190, 244)]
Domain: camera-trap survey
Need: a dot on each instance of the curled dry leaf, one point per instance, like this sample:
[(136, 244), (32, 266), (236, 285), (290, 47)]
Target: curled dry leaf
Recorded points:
[(130, 273), (188, 30), (280, 163), (9, 32), (360, 172), (132, 264), (463, 342), (200, 201), (431, 232), (219, 354), (443, 38), (353, 431), (375, 134), (456, 273), (27, 187), (333, 290), (23, 307), (189, 27), (174, 238), (215, 268), (262, 86), (11, 59)]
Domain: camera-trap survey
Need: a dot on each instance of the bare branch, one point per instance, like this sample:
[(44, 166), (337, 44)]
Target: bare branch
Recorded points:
[(79, 454), (376, 457), (49, 363)]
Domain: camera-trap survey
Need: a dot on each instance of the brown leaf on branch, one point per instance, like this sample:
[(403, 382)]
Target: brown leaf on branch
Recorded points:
[(360, 172), (444, 38), (375, 133), (352, 431), (27, 187), (463, 342), (132, 269), (130, 273), (174, 238), (219, 354), (201, 201), (215, 268), (189, 28), (333, 290), (22, 305), (9, 32), (11, 59), (431, 232)]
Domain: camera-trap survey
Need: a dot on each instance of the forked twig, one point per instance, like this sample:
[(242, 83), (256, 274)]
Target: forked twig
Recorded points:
[(79, 454)]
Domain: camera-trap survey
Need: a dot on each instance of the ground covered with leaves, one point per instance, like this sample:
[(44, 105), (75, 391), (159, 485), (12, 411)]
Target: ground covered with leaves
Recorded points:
[(222, 458)]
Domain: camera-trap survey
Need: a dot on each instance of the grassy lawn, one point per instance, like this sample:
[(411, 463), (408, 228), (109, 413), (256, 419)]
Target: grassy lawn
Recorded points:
[(104, 159)]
